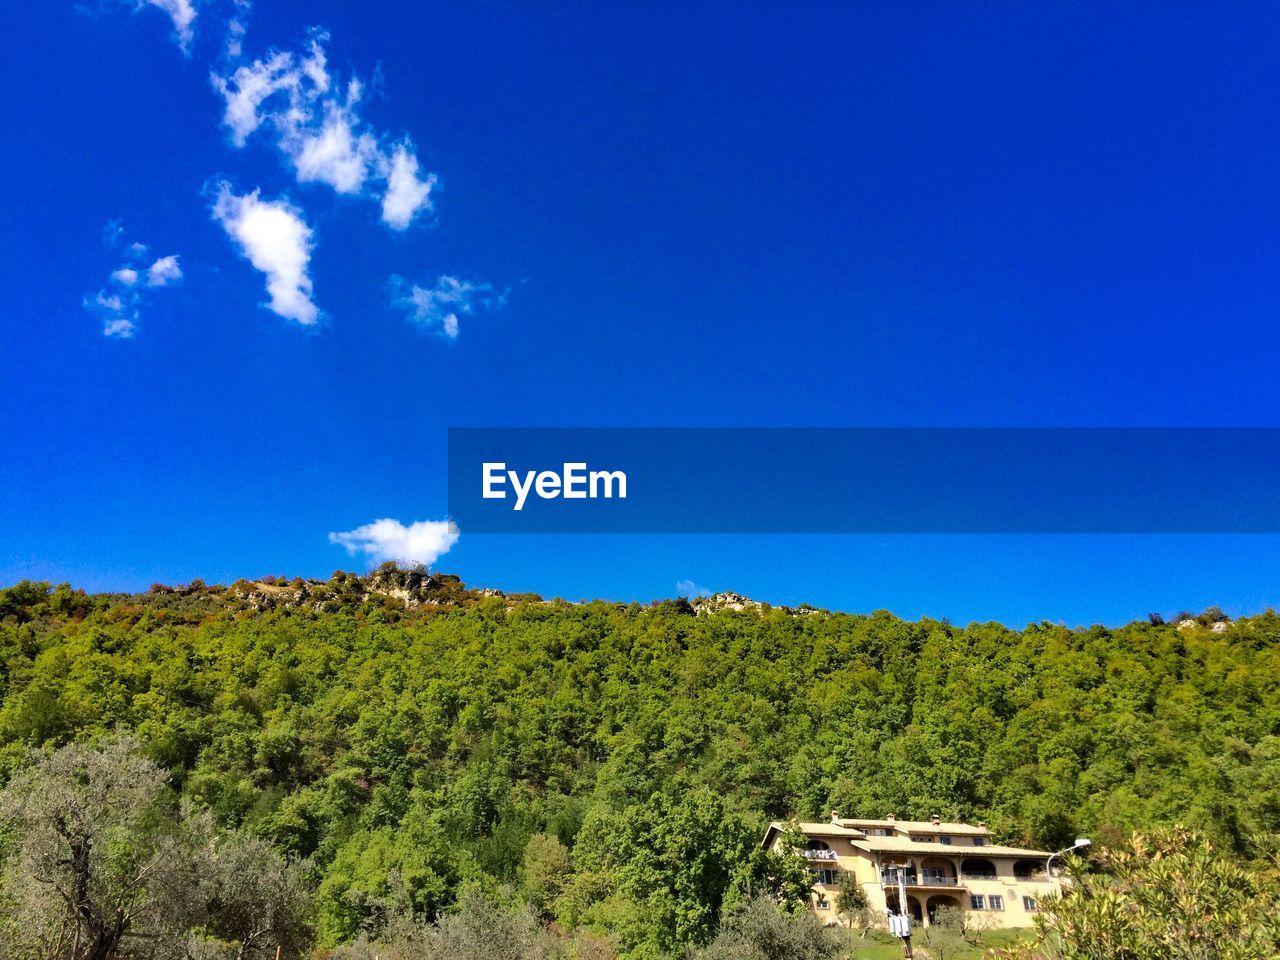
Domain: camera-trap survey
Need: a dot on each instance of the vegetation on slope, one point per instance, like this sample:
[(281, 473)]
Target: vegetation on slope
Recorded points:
[(612, 766)]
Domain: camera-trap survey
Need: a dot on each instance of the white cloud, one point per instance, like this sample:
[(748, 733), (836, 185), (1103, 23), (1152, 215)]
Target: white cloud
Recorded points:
[(691, 590), (163, 272), (334, 154), (248, 88), (117, 304), (422, 542), (407, 193), (121, 328), (119, 314), (183, 15), (438, 307), (277, 241), (316, 124)]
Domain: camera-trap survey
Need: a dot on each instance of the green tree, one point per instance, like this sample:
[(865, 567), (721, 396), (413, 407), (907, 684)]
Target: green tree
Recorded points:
[(544, 872), (851, 900)]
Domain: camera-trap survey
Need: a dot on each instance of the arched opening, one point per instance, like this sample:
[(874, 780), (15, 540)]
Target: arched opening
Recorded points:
[(937, 872), (939, 900), (1029, 870), (913, 908), (976, 868)]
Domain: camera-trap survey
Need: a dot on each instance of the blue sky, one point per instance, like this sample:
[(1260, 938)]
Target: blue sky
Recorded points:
[(681, 215)]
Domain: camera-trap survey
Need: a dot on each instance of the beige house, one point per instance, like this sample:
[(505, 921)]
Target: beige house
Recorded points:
[(944, 864)]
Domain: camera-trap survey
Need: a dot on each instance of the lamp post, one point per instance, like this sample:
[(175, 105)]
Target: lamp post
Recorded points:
[(1080, 844)]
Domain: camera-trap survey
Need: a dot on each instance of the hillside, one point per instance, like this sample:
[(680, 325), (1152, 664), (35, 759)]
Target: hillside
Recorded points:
[(615, 764)]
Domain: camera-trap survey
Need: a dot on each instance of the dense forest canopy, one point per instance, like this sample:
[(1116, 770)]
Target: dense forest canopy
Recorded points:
[(613, 766)]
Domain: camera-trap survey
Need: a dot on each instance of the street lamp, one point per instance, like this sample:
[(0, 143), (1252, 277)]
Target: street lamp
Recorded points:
[(1080, 844)]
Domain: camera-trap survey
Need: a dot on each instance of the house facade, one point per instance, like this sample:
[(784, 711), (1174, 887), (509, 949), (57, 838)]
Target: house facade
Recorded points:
[(943, 864)]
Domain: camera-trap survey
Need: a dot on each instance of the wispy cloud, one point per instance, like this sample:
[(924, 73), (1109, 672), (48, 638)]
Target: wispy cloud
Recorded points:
[(422, 542), (315, 123), (236, 28), (687, 588), (118, 303), (275, 238), (438, 307), (183, 15)]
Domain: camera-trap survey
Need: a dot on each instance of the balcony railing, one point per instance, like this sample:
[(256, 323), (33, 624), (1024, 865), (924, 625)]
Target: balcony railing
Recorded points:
[(820, 854), (970, 875), (912, 880)]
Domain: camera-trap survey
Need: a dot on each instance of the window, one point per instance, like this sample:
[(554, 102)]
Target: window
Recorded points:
[(923, 839), (977, 901), (996, 902), (946, 841), (979, 841), (1029, 904), (823, 902), (828, 877)]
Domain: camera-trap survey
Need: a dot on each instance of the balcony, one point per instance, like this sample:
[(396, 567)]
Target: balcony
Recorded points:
[(829, 855)]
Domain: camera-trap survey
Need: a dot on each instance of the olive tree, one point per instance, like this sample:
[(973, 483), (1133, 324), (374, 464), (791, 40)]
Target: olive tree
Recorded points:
[(97, 865), (1170, 895), (763, 930)]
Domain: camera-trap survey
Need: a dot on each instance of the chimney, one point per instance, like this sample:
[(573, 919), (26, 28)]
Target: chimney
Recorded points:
[(890, 817), (982, 824), (936, 819), (835, 816)]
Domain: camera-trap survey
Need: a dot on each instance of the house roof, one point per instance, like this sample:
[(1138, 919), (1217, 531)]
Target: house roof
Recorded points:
[(855, 832), (905, 845), (923, 826)]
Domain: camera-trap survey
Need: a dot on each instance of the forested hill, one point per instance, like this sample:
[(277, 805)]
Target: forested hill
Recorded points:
[(615, 764)]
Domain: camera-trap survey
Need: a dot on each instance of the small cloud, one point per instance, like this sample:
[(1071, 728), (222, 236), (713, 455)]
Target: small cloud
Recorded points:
[(117, 304), (438, 307), (236, 28), (163, 272), (422, 542), (121, 328), (183, 15), (277, 241), (407, 193), (118, 314), (690, 590)]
